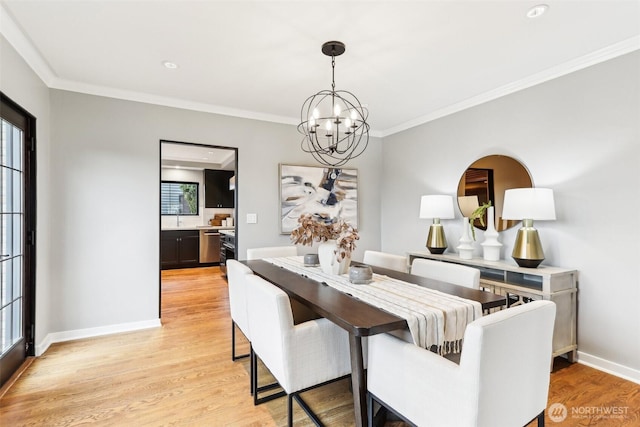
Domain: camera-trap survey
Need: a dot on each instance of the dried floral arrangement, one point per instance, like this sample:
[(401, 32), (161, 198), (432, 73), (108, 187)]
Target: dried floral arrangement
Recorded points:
[(311, 230)]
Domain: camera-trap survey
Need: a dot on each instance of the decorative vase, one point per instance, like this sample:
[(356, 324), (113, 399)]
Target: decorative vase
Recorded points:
[(491, 246), (327, 253), (465, 248)]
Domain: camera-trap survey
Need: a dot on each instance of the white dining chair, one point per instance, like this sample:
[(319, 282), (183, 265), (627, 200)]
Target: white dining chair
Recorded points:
[(271, 252), (447, 272), (385, 260), (502, 379), (237, 274), (300, 357)]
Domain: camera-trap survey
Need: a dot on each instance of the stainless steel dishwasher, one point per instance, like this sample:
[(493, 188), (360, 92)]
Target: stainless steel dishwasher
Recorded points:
[(209, 246)]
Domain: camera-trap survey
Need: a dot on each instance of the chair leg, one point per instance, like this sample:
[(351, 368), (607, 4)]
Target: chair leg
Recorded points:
[(251, 356), (290, 410), (541, 419), (369, 410), (255, 389), (235, 357), (312, 416)]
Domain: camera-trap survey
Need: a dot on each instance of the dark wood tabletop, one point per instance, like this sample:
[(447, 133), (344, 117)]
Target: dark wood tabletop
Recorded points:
[(486, 299), (353, 315)]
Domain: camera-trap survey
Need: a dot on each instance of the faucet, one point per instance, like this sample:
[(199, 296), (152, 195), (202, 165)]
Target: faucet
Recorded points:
[(178, 210)]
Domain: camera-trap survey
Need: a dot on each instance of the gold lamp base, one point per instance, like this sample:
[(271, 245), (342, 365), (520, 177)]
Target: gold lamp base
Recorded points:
[(527, 250), (436, 241)]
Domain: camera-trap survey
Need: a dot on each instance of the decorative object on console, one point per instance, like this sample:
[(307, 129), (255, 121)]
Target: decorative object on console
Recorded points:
[(478, 214), (528, 204), (338, 241), (437, 207), (491, 246), (334, 122), (465, 248)]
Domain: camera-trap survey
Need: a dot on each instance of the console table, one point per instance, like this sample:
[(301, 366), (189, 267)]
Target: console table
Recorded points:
[(521, 285)]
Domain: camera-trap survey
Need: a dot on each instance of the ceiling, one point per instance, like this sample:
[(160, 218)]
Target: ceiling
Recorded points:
[(408, 61), (191, 156)]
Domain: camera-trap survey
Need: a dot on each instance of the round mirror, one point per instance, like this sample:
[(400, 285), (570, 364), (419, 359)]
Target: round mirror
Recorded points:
[(485, 180)]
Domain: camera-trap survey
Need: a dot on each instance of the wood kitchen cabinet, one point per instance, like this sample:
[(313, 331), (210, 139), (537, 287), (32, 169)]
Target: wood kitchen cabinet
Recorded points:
[(179, 249), (216, 189)]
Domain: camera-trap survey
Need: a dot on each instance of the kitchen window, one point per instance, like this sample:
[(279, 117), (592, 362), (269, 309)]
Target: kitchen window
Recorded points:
[(179, 198)]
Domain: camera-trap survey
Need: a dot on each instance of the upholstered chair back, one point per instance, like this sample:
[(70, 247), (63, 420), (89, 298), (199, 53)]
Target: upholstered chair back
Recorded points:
[(502, 379), (447, 272), (298, 356), (509, 353), (271, 252), (385, 260), (236, 276)]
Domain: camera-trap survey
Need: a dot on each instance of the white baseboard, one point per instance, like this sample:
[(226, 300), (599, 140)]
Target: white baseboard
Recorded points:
[(93, 332), (609, 367)]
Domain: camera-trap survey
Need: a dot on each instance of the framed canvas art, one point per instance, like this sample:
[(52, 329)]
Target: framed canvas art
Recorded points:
[(327, 193)]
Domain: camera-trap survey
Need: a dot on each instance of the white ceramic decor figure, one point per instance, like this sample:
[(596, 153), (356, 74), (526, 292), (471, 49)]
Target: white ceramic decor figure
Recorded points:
[(465, 248), (491, 246)]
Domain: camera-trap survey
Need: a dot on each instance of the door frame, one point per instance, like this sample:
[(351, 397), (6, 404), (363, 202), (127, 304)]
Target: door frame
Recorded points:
[(14, 113), (235, 203)]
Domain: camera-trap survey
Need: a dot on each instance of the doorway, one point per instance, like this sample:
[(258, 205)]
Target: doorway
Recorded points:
[(198, 200), (17, 236)]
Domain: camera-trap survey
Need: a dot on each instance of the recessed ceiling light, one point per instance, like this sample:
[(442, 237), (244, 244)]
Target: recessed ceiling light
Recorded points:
[(170, 65), (537, 11)]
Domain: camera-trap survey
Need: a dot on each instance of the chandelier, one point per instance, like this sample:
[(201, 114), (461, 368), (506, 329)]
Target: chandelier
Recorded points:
[(333, 122)]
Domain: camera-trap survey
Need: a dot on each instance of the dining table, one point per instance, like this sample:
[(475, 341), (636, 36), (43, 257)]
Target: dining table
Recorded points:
[(359, 318)]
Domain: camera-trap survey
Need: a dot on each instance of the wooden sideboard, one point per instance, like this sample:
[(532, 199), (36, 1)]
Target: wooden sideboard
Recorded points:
[(521, 285)]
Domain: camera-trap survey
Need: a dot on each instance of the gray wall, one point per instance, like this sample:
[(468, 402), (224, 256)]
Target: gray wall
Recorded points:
[(105, 180), (578, 135)]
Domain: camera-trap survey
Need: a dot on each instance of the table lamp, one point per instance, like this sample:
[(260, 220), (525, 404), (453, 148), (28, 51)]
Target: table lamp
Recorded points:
[(528, 204), (436, 207)]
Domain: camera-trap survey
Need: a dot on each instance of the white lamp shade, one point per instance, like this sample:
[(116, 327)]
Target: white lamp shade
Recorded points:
[(436, 206), (467, 205), (529, 203)]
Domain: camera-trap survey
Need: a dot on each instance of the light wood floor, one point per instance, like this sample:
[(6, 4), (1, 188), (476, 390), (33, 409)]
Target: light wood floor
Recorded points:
[(182, 375)]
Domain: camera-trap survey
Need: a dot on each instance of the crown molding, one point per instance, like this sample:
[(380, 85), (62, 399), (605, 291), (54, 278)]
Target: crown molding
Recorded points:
[(11, 31), (22, 44), (596, 57), (147, 98)]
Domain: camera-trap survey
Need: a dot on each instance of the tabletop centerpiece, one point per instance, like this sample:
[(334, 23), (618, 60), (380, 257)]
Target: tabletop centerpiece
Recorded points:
[(337, 241)]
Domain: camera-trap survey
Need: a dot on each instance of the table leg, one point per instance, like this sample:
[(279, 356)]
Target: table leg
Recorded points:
[(358, 380)]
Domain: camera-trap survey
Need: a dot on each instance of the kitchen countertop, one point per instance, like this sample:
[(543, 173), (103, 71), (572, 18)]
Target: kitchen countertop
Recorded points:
[(197, 227)]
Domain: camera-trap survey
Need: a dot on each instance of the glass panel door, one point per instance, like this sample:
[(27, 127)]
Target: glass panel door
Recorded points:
[(17, 236), (11, 235)]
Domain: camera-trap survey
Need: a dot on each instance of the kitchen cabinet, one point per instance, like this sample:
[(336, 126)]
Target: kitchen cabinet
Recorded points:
[(179, 249), (216, 189)]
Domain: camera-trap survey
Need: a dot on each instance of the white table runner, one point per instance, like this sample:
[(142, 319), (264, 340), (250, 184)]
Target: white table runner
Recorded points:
[(434, 317)]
